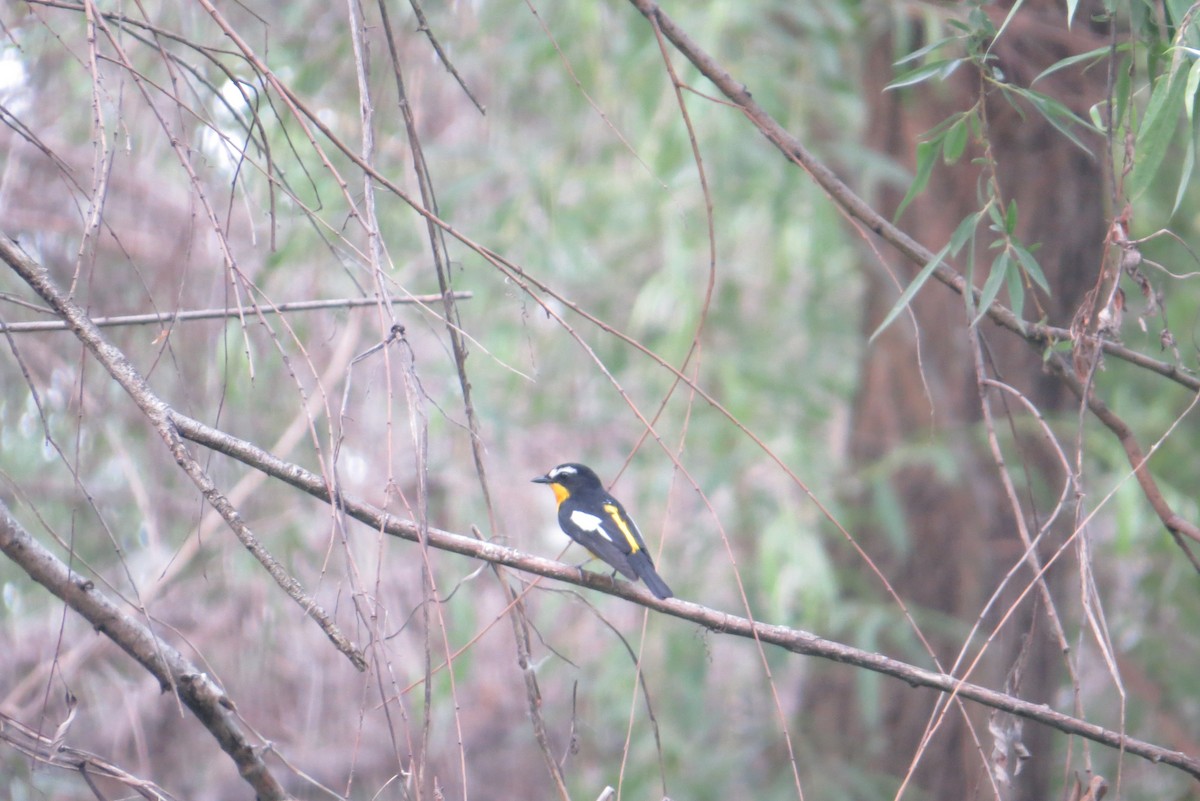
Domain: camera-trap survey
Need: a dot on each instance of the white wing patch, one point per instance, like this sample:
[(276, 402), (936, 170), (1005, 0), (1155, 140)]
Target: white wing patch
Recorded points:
[(586, 521)]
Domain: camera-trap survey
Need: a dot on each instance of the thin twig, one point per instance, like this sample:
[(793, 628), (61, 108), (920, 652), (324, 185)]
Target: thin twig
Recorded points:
[(789, 639), (1174, 523), (423, 27), (794, 640), (415, 396), (207, 701), (858, 209), (51, 751), (158, 412), (214, 314)]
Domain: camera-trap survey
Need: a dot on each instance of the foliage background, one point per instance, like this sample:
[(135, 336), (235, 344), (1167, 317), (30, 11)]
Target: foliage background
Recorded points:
[(581, 172)]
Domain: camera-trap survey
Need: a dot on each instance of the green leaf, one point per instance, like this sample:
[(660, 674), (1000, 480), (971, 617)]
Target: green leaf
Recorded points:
[(940, 68), (964, 231), (1123, 90), (926, 156), (1189, 92), (1071, 6), (921, 52), (1179, 11), (1154, 56), (1070, 61), (1012, 12), (1031, 267), (1058, 115), (1000, 267), (1016, 293), (997, 218), (1185, 172), (1158, 128), (955, 141), (969, 297), (940, 130), (1010, 217), (907, 295)]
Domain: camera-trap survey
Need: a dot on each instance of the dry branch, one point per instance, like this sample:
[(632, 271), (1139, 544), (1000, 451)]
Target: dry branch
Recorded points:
[(158, 413), (179, 426), (193, 686), (1038, 336), (213, 314), (789, 639), (51, 751)]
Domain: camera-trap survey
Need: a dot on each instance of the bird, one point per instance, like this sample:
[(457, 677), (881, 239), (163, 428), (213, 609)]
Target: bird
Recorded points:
[(596, 520)]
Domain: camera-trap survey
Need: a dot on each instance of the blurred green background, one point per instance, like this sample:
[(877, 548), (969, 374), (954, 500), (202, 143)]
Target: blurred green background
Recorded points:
[(599, 200)]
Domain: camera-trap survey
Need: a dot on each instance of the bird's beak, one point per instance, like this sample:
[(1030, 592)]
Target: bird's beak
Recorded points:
[(542, 480)]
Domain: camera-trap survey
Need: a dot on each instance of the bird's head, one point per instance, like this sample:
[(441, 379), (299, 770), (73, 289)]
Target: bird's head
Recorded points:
[(569, 478)]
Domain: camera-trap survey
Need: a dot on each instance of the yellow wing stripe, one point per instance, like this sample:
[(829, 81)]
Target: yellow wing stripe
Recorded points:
[(622, 524)]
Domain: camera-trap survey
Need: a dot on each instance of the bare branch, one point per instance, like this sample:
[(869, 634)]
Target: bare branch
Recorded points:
[(1178, 526), (794, 640), (49, 751), (159, 414), (423, 26), (207, 701), (1038, 336), (214, 314), (176, 426), (859, 209)]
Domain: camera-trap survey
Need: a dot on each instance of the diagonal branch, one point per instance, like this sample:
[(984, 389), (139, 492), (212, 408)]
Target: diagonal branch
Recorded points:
[(207, 701), (1037, 335), (1178, 526), (176, 427), (789, 639), (213, 314), (859, 209), (794, 640), (515, 604), (50, 751), (159, 414)]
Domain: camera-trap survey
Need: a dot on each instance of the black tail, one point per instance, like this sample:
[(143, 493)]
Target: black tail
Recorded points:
[(645, 569)]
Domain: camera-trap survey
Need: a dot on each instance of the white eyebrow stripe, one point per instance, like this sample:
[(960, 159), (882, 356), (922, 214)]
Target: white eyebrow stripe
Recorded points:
[(586, 521), (563, 471)]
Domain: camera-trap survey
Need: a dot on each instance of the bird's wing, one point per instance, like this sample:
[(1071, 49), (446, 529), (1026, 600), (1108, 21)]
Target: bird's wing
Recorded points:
[(614, 525), (597, 535)]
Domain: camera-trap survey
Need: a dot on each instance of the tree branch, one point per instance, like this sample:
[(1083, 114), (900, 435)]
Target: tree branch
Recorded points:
[(1175, 524), (172, 669), (51, 751), (159, 414), (213, 314), (1038, 335), (794, 640), (859, 209)]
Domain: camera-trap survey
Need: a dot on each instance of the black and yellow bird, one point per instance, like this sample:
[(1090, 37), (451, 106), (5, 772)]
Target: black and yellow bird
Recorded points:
[(598, 522)]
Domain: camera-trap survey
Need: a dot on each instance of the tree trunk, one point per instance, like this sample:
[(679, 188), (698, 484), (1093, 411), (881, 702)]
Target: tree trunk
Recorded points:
[(919, 404)]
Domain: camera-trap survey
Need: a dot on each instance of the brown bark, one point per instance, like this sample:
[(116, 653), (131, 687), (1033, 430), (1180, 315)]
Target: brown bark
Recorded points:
[(919, 390)]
